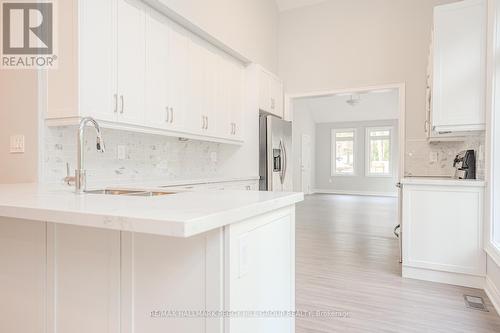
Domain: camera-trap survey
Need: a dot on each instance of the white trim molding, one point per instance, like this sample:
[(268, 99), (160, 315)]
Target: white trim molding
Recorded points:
[(457, 279), (363, 193), (493, 293)]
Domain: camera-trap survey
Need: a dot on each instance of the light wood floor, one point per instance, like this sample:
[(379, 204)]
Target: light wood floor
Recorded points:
[(347, 260)]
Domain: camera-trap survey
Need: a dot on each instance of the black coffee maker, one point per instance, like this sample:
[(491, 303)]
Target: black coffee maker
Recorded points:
[(465, 165)]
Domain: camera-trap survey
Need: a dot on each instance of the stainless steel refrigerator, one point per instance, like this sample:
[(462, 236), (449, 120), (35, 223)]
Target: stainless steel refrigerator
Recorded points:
[(275, 159)]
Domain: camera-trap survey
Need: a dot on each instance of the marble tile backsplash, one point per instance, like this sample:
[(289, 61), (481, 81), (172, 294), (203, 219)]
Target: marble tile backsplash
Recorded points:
[(436, 159), (146, 157)]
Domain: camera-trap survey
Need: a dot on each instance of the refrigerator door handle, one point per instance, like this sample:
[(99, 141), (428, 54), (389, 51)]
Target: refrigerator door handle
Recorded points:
[(283, 162)]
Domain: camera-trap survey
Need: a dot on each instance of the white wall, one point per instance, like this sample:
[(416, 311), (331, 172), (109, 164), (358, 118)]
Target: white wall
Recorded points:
[(18, 115), (358, 183), (302, 124), (249, 27), (339, 44)]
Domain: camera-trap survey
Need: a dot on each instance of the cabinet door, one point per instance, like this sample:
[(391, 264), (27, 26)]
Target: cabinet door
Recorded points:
[(23, 276), (236, 100), (276, 98), (224, 93), (97, 57), (211, 87), (178, 75), (264, 91), (195, 119), (131, 60), (459, 66), (442, 229), (157, 71)]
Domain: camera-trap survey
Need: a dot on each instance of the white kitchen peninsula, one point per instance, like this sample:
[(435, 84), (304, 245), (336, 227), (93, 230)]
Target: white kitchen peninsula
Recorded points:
[(115, 263)]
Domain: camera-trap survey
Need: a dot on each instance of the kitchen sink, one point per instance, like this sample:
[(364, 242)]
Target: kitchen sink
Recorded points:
[(137, 193)]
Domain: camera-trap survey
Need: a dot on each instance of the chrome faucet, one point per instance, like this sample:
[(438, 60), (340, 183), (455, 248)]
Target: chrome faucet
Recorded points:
[(80, 172)]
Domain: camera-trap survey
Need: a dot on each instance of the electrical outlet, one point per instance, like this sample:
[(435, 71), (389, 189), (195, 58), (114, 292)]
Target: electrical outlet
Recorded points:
[(121, 152), (17, 144), (433, 157), (213, 157)]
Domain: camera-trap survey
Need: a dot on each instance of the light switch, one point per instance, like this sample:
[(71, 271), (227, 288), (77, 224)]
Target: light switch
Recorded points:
[(433, 156), (17, 144)]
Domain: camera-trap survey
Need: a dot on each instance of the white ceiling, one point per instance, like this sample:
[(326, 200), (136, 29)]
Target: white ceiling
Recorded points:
[(330, 109), (292, 4)]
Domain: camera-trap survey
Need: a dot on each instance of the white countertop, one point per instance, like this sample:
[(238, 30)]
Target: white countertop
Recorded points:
[(183, 214), (444, 181)]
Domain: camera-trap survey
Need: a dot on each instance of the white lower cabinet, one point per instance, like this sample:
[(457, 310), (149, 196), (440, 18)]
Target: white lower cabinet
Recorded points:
[(79, 279), (442, 234)]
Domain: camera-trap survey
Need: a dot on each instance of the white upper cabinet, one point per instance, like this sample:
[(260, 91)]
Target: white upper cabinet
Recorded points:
[(131, 60), (157, 70), (459, 67), (97, 59), (270, 93), (141, 71), (166, 73)]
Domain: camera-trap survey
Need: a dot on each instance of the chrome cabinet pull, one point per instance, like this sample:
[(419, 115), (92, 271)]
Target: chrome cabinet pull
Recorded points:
[(167, 116), (123, 104), (202, 122), (116, 103), (171, 115), (207, 123)]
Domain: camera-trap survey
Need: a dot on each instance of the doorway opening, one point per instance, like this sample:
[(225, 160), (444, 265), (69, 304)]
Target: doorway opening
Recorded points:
[(348, 149)]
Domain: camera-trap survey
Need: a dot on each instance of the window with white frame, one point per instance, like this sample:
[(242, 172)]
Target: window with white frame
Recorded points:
[(379, 151), (343, 151)]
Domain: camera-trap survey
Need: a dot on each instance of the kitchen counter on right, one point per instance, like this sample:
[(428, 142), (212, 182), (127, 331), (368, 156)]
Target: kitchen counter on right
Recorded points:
[(444, 181), (442, 230)]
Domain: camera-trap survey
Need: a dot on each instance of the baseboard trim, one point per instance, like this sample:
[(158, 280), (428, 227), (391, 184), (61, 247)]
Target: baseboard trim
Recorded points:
[(493, 293), (458, 279), (366, 193)]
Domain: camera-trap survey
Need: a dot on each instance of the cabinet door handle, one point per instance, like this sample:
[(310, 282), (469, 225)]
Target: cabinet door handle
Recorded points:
[(202, 122), (116, 103), (167, 115), (171, 115), (123, 103)]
